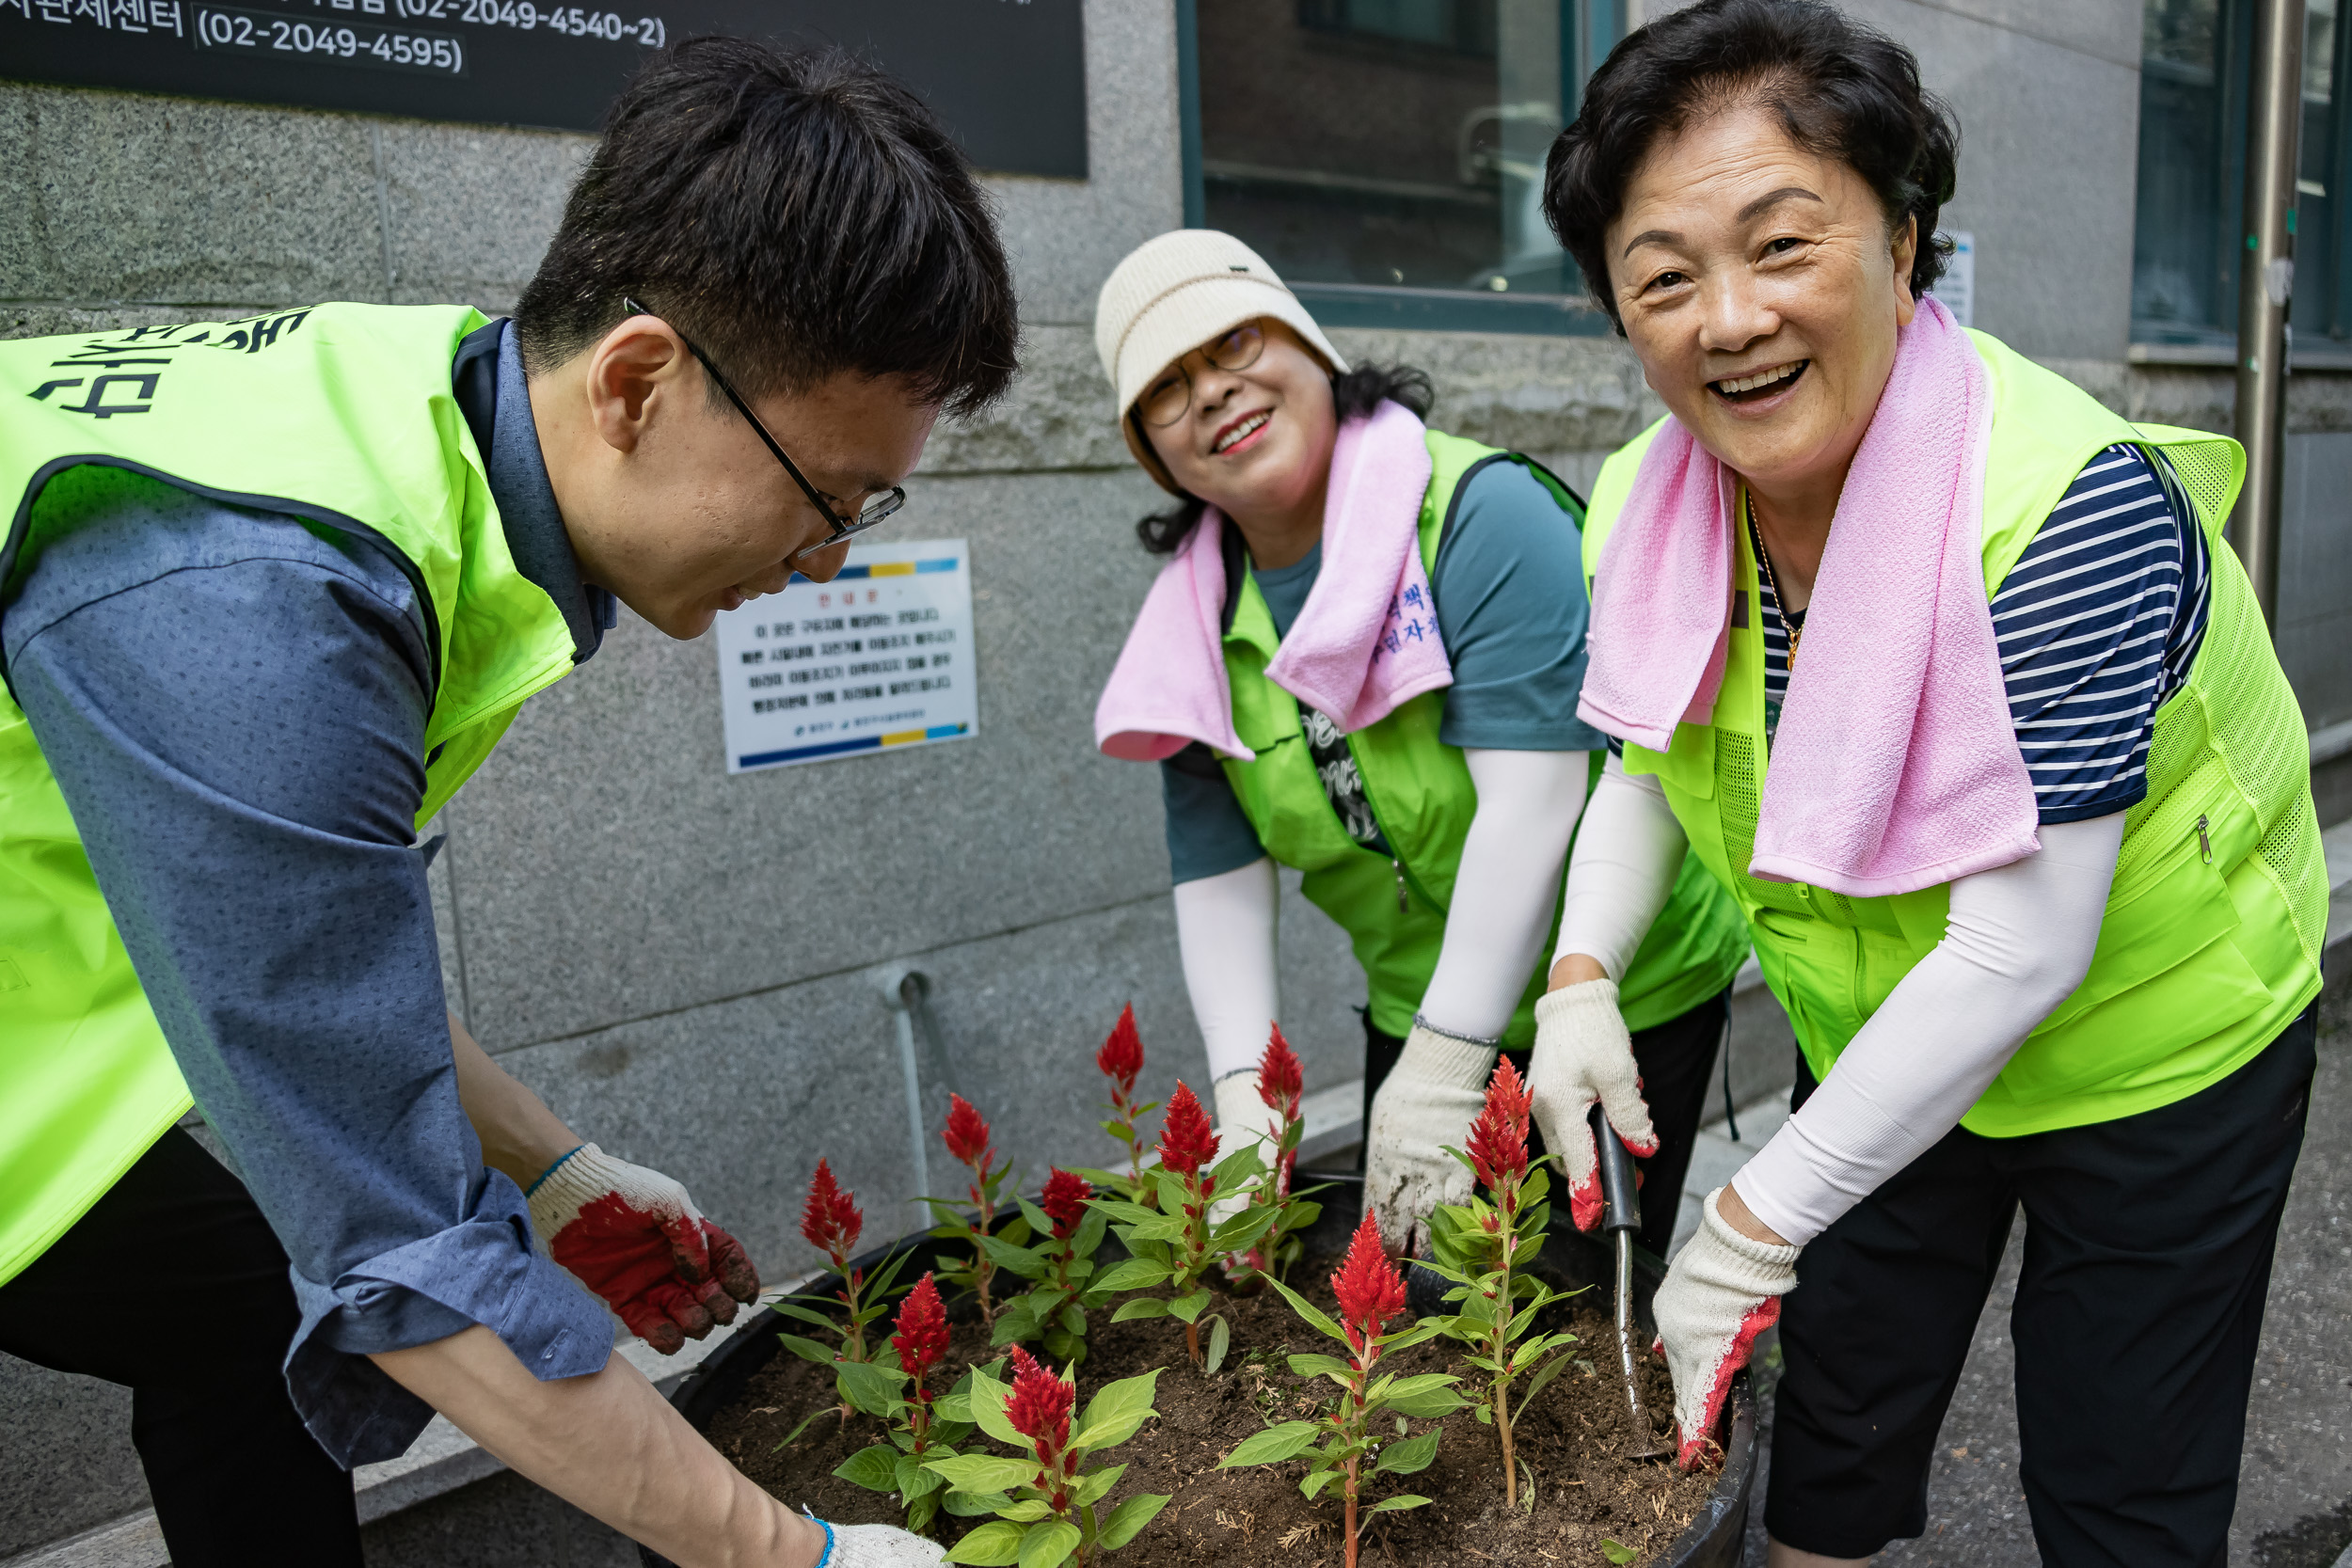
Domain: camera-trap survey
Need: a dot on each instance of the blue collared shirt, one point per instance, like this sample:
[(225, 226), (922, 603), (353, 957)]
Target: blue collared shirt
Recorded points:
[(234, 703)]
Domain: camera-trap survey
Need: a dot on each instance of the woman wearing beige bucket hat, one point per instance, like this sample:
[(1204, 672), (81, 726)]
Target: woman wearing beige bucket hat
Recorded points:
[(1363, 661)]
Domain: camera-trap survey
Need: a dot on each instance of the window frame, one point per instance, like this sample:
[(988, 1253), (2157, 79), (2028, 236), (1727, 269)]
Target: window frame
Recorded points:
[(1367, 304)]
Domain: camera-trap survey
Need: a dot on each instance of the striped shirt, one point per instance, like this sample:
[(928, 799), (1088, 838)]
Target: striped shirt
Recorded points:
[(2098, 624)]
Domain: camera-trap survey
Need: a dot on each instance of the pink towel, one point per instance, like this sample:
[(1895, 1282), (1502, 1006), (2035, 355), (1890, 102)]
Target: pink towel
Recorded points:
[(1895, 766), (1365, 642)]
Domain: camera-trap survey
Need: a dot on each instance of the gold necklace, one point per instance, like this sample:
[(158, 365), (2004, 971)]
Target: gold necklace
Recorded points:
[(1780, 605)]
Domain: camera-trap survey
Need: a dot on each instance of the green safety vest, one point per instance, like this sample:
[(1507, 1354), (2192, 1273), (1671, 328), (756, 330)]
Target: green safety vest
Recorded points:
[(1421, 793), (341, 414), (2212, 938)]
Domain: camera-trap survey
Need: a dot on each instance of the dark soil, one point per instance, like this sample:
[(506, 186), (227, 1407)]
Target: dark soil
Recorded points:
[(1572, 1434)]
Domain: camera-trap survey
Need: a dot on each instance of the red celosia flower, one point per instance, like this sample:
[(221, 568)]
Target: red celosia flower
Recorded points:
[(1065, 1202), (922, 1337), (1121, 1056), (1039, 1404), (1497, 1139), (1281, 1079), (1186, 1142), (967, 1133), (831, 1221), (1370, 1288)]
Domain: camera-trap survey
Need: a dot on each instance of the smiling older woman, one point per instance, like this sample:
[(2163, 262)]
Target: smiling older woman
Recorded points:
[(2034, 866)]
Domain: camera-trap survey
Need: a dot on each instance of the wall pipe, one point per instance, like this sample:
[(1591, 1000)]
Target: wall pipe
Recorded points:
[(2266, 288)]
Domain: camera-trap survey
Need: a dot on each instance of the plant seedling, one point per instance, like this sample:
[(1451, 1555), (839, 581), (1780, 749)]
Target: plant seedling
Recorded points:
[(1485, 1249), (902, 1397), (1176, 1245), (831, 1223), (1371, 1291), (967, 1139), (1282, 1084), (1060, 1267), (1121, 1060), (1046, 1501)]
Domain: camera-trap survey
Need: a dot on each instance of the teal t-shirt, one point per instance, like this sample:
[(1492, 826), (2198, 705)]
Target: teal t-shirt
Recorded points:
[(1508, 585)]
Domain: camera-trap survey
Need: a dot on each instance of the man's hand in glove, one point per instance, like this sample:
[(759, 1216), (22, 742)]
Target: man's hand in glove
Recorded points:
[(877, 1546), (1722, 1289), (1429, 1101), (1583, 1053), (634, 1237)]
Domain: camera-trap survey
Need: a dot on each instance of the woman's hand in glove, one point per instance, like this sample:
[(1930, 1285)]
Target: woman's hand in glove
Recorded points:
[(634, 1237), (1429, 1101), (1583, 1053), (1722, 1289), (877, 1546)]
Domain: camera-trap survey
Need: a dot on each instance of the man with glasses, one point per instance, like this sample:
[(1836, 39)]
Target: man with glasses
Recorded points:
[(256, 636)]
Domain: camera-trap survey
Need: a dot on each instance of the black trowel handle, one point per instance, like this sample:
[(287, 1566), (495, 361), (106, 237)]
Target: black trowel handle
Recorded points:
[(1619, 1191)]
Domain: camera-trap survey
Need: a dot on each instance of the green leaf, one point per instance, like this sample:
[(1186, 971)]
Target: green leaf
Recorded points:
[(915, 1480), (1220, 1337), (976, 1505), (984, 1472), (1136, 1274), (1049, 1546), (1317, 1480), (1073, 1320), (988, 1408), (1544, 1374), (1322, 1365), (1114, 1415), (1238, 1167), (1272, 1446), (1428, 1328), (1242, 1232), (921, 1509), (1017, 1259), (995, 1545), (1142, 1307), (1041, 1224), (1125, 1214), (794, 1436), (1429, 1405), (1092, 1484), (1120, 1525), (1088, 1235), (1616, 1551), (1160, 1227), (875, 1469), (868, 1387), (1314, 1320), (1389, 1505), (805, 1315), (1403, 1458), (1029, 1510), (1189, 1305), (809, 1350)]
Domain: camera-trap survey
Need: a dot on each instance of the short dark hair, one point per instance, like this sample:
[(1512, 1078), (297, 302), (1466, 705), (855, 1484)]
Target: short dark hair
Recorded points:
[(1354, 393), (1841, 89), (797, 214)]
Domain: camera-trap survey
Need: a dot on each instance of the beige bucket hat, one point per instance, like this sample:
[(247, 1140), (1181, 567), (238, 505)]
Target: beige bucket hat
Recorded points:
[(1175, 292)]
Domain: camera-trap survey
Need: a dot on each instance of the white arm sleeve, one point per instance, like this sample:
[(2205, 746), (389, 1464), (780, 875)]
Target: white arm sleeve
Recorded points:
[(2018, 942), (1225, 927), (1504, 891), (1624, 869)]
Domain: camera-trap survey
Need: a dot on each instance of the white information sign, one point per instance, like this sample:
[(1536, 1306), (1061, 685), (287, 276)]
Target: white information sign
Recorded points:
[(879, 657), (1957, 286)]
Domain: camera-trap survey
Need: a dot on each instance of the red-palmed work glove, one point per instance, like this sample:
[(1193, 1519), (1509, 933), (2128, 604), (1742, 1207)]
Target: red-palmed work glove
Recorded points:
[(1582, 1054), (634, 1237), (1722, 1291)]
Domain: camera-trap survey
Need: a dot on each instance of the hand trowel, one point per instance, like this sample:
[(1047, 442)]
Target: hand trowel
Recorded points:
[(1621, 1220)]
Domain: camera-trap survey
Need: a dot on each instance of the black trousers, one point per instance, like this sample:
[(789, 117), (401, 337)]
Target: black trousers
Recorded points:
[(237, 1478), (2148, 1247), (1677, 1062)]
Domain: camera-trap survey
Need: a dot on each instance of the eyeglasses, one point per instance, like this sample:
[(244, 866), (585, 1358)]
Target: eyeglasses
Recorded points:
[(1164, 401), (874, 511)]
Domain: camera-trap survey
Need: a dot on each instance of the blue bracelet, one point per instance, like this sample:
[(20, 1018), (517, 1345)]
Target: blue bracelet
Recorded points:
[(828, 1529), (545, 1174)]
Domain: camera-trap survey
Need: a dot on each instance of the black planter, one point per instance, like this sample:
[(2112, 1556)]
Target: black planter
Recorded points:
[(1570, 1260)]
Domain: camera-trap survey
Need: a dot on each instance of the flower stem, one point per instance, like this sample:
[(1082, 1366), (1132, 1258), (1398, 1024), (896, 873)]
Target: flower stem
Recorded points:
[(1351, 1511)]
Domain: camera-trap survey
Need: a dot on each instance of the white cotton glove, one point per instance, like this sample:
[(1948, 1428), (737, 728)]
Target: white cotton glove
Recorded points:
[(877, 1546), (1722, 1291), (1429, 1101), (1242, 1119), (1583, 1053), (633, 1237)]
